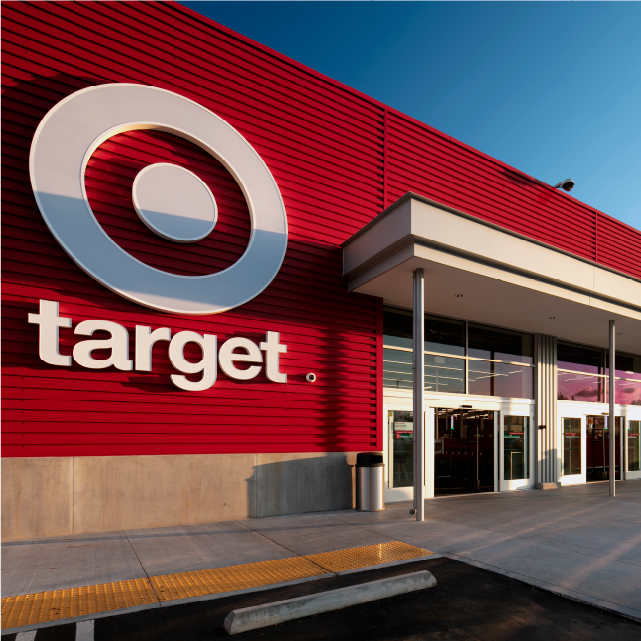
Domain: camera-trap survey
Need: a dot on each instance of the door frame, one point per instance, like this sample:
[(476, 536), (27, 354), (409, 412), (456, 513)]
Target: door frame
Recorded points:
[(501, 406), (572, 479), (517, 484)]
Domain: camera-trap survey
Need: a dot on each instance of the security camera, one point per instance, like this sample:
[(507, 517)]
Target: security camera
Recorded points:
[(310, 378), (566, 184)]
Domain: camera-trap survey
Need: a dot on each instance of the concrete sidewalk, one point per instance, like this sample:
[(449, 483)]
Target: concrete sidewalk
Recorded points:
[(575, 541)]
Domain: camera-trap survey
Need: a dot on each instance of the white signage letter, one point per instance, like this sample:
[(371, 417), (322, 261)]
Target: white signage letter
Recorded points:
[(49, 339), (118, 344), (227, 357), (207, 365), (272, 350), (145, 340)]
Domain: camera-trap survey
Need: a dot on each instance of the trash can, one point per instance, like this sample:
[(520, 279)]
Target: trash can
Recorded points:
[(369, 482)]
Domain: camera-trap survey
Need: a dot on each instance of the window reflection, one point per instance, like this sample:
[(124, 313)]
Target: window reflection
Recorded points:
[(442, 374), (579, 387), (579, 358), (625, 392), (489, 378)]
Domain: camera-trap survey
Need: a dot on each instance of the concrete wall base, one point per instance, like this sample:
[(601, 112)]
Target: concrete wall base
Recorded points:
[(44, 497), (547, 486)]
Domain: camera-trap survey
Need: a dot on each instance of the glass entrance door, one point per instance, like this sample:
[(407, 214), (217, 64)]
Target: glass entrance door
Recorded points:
[(515, 452), (597, 445), (401, 446), (464, 451), (573, 452)]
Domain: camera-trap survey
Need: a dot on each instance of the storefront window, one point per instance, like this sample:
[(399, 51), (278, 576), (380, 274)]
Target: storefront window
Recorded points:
[(515, 447), (401, 451), (571, 446), (634, 459), (444, 340), (625, 392), (397, 369), (499, 344), (580, 387), (442, 335), (489, 378), (443, 374), (579, 358), (625, 366)]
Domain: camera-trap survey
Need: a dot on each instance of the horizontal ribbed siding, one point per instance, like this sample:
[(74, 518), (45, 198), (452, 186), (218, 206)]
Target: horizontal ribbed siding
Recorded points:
[(338, 157)]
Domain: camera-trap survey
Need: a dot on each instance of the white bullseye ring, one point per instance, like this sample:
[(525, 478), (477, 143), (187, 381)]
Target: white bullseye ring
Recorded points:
[(62, 146), (174, 203)]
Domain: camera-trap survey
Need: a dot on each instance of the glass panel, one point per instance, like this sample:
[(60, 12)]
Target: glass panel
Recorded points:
[(441, 334), (625, 392), (444, 374), (597, 454), (463, 451), (515, 447), (579, 358), (571, 446), (487, 378), (397, 328), (579, 387), (401, 448), (397, 369), (499, 344), (634, 461), (625, 366), (444, 335)]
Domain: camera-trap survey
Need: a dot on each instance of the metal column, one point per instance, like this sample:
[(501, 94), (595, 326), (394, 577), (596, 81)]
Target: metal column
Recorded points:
[(611, 419), (418, 368)]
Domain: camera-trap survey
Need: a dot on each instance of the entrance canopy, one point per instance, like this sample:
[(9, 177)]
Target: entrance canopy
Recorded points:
[(478, 271)]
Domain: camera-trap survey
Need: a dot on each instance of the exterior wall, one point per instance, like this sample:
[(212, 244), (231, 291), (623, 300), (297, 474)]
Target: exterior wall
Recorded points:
[(93, 450), (60, 496)]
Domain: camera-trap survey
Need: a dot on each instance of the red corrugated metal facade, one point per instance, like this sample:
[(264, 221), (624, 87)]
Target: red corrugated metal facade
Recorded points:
[(338, 157)]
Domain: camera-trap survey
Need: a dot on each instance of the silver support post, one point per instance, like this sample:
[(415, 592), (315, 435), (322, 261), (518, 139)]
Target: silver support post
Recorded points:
[(418, 361), (611, 419)]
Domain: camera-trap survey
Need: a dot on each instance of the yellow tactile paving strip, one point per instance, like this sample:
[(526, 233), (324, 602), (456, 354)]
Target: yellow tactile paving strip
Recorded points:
[(355, 558), (31, 609), (183, 585)]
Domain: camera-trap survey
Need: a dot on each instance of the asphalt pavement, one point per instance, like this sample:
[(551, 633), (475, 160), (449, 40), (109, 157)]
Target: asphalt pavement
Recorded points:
[(468, 604)]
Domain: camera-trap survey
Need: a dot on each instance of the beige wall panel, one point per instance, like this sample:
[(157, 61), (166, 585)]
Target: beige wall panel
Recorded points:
[(36, 497), (309, 482), (122, 492)]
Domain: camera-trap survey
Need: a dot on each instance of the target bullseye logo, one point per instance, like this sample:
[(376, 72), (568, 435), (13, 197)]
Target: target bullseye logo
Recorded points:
[(160, 192), (172, 201)]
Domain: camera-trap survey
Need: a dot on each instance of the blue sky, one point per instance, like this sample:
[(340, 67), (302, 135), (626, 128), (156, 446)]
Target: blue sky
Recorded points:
[(553, 89)]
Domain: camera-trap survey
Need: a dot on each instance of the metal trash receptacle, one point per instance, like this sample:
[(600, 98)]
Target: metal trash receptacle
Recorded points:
[(369, 482)]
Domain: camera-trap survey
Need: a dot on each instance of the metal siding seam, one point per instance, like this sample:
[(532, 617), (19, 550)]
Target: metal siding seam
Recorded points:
[(385, 156)]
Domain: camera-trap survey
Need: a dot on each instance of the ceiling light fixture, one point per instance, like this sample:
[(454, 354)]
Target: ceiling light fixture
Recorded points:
[(458, 295)]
